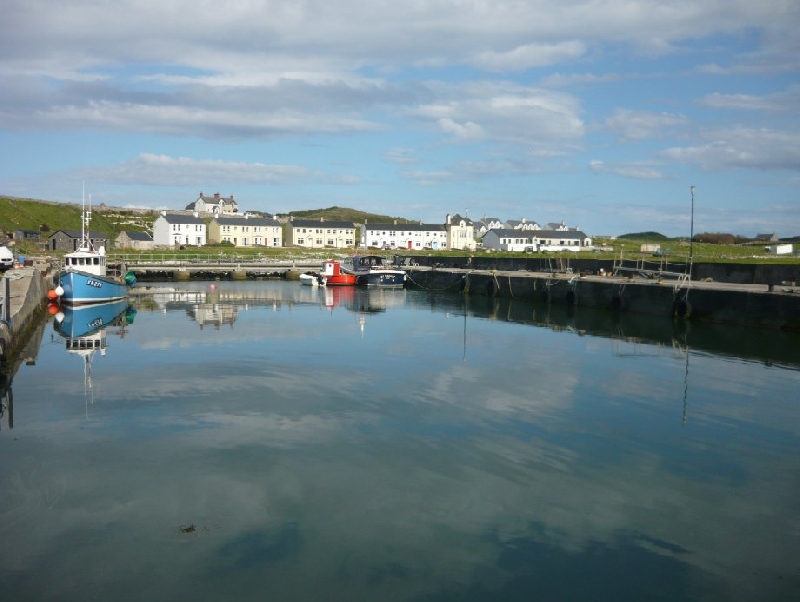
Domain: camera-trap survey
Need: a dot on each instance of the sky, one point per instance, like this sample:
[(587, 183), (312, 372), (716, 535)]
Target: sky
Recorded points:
[(612, 116)]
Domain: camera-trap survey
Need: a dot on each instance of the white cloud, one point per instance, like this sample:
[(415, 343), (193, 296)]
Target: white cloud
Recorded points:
[(782, 102), (639, 125), (630, 170), (506, 112), (164, 170), (741, 147), (529, 55)]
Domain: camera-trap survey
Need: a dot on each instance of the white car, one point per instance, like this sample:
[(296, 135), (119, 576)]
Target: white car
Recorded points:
[(6, 258)]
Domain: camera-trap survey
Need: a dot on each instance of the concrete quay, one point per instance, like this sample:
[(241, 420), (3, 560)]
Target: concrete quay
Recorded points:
[(755, 305), (23, 299), (181, 270)]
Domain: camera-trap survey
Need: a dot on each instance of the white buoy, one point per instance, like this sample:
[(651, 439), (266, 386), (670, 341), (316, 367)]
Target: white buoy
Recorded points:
[(60, 290)]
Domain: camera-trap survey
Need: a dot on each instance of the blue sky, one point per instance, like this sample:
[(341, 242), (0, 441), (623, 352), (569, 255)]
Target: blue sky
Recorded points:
[(598, 113)]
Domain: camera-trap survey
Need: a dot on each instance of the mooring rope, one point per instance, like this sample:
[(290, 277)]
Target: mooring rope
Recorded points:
[(459, 278)]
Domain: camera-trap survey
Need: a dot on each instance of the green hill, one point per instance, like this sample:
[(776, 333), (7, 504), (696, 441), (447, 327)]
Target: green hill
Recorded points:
[(645, 236), (347, 215), (48, 217)]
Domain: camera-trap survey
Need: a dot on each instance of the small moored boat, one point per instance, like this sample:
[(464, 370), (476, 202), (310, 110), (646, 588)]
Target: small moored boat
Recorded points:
[(375, 270), (333, 275), (310, 279)]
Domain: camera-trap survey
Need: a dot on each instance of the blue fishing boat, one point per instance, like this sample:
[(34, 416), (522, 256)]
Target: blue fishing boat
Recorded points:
[(85, 277)]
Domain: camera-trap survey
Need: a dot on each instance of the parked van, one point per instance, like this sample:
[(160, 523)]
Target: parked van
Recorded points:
[(6, 258)]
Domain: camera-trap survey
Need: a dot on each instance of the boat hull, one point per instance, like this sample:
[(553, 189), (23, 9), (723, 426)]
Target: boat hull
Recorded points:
[(81, 288), (309, 280), (382, 279), (341, 280)]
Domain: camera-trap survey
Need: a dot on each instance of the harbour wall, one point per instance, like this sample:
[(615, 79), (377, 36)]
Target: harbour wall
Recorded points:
[(23, 295), (737, 273), (760, 306)]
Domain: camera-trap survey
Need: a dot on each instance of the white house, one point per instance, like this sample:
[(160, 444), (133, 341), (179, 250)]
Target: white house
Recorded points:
[(320, 234), (213, 205), (506, 239), (175, 229), (460, 233), (415, 237), (492, 223), (521, 224), (246, 231), (560, 240), (455, 233), (782, 249)]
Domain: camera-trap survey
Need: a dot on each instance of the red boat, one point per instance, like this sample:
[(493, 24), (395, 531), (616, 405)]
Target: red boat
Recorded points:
[(333, 275)]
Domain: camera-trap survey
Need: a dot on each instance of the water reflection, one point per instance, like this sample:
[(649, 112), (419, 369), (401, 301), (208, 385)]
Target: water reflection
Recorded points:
[(467, 448)]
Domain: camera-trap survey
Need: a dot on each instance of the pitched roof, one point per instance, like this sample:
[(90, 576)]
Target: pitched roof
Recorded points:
[(404, 227), (137, 235), (93, 234), (458, 218), (178, 218), (315, 223), (246, 221)]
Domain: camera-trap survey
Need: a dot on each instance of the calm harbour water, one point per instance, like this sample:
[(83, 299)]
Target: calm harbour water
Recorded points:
[(269, 441)]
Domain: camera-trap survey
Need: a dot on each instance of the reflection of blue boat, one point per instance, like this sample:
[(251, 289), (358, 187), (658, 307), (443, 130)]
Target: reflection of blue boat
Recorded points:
[(81, 321), (84, 328), (85, 277)]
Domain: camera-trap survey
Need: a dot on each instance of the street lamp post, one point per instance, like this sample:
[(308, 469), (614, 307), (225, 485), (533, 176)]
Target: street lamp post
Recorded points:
[(691, 229)]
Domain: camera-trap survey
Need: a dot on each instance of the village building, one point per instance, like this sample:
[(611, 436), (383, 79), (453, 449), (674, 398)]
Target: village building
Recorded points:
[(69, 240), (27, 236), (246, 231), (492, 223), (320, 234), (460, 233), (174, 229), (456, 233), (213, 205), (506, 239), (132, 239), (521, 224), (414, 237)]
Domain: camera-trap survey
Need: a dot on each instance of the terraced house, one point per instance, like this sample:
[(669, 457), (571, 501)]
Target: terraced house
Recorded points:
[(246, 231), (321, 234), (456, 233)]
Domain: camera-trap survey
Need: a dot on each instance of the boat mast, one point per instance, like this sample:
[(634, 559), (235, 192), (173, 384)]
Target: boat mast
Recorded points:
[(83, 214)]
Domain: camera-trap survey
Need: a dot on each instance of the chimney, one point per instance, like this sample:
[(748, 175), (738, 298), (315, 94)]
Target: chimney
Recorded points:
[(322, 219), (164, 211), (195, 213), (216, 195), (447, 219)]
